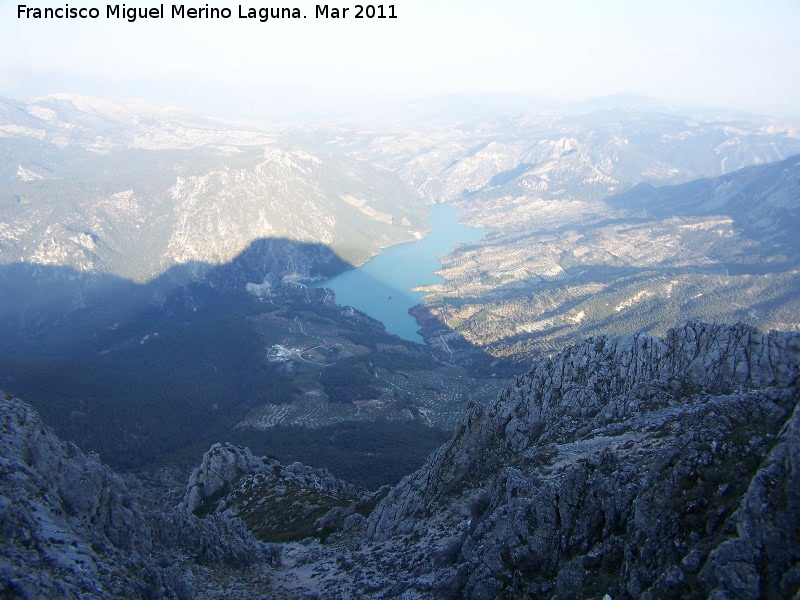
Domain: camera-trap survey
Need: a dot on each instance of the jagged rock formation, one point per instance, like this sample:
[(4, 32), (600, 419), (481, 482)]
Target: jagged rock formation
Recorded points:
[(277, 502), (633, 466), (70, 527)]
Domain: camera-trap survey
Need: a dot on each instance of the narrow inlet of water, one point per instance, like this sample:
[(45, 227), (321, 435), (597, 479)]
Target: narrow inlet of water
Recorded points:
[(382, 286)]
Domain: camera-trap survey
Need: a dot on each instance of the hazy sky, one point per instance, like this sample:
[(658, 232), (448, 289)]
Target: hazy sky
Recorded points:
[(738, 54)]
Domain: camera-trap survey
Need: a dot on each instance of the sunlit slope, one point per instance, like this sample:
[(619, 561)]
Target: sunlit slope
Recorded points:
[(717, 249), (127, 189)]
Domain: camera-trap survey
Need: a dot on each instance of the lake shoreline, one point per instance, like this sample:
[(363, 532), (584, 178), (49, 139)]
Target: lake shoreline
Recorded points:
[(383, 287)]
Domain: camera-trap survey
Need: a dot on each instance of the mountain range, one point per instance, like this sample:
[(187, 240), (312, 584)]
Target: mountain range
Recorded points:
[(578, 423), (127, 230)]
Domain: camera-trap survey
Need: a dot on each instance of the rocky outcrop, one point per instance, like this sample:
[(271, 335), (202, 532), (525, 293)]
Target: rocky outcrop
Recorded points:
[(277, 502), (70, 527), (631, 466), (220, 466), (763, 558)]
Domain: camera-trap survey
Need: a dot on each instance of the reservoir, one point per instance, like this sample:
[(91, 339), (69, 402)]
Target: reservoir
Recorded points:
[(382, 286)]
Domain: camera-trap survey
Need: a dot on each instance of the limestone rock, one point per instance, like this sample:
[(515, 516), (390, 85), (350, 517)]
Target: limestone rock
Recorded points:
[(70, 527), (277, 502), (627, 466)]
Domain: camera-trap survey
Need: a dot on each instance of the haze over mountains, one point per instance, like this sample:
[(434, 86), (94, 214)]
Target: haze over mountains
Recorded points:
[(194, 190), (605, 402), (120, 222), (153, 265), (126, 189)]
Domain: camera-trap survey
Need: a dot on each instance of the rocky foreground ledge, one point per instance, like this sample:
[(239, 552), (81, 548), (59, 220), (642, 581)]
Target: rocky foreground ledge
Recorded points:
[(71, 528), (629, 467)]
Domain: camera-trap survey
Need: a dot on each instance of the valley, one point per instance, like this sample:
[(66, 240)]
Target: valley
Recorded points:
[(592, 229), (431, 301), (160, 269), (162, 383), (628, 466)]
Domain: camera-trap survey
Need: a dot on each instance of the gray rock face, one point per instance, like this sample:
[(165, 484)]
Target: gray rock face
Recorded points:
[(61, 511), (767, 529), (277, 502), (219, 467), (70, 528), (633, 466), (630, 466)]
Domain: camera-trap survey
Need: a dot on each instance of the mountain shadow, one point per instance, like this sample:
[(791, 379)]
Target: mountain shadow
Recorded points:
[(45, 307), (149, 374), (760, 200)]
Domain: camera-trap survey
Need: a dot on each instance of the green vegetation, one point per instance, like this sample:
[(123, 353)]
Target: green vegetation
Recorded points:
[(160, 384), (176, 388), (349, 380), (287, 514)]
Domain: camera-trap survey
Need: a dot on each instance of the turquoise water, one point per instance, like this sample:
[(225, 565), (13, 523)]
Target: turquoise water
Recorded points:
[(381, 287)]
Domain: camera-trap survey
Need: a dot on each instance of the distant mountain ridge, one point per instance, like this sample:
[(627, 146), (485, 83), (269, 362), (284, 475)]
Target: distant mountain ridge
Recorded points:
[(763, 201), (128, 189), (720, 249)]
